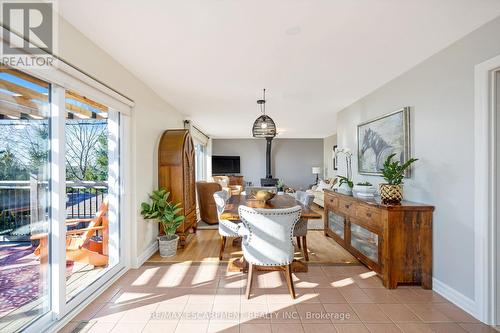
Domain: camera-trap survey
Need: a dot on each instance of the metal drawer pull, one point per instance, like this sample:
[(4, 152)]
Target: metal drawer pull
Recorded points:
[(347, 206), (369, 214)]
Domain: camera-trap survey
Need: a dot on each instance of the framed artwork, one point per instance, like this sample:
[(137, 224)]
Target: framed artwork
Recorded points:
[(381, 137), (335, 166)]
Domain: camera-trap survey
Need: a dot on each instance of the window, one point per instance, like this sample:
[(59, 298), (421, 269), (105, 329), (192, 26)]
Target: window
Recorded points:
[(24, 198), (200, 157), (60, 217), (88, 160)]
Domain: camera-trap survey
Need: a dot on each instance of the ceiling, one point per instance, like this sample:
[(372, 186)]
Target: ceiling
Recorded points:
[(211, 58)]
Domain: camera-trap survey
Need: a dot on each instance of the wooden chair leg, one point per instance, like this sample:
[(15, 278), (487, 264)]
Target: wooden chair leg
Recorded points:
[(289, 280), (304, 248), (249, 280), (222, 246), (298, 241)]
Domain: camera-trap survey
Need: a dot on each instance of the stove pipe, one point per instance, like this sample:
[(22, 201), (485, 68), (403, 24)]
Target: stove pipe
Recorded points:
[(268, 158)]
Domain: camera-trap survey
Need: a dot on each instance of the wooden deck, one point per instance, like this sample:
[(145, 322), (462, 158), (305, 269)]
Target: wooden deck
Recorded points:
[(81, 276)]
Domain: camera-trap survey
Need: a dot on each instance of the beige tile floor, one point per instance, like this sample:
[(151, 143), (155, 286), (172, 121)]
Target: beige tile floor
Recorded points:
[(186, 297)]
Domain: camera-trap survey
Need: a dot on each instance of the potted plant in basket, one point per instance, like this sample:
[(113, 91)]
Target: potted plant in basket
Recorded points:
[(393, 173), (168, 215)]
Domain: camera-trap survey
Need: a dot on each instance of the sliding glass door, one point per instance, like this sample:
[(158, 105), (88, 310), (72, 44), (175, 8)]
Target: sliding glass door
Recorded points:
[(92, 173), (60, 196), (24, 199)]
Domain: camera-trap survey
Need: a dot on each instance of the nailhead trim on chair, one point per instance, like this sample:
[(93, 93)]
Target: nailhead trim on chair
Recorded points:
[(291, 235)]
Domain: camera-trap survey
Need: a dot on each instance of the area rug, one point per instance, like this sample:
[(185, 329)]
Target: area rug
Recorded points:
[(20, 276)]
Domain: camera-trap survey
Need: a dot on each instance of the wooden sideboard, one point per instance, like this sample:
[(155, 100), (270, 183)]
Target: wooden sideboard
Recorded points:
[(393, 240)]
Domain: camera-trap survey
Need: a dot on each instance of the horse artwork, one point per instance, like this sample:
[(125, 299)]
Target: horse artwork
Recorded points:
[(379, 138)]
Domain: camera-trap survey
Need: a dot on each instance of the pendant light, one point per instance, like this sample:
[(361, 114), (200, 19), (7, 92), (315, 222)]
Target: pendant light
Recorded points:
[(264, 126)]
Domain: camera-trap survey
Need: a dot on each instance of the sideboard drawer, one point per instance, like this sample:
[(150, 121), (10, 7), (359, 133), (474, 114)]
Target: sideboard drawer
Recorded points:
[(346, 207), (368, 214), (331, 202)]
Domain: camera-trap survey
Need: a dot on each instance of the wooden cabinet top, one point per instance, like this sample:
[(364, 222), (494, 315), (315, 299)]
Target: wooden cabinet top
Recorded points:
[(375, 202)]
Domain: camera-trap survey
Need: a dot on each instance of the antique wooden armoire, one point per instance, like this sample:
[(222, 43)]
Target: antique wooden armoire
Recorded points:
[(176, 173)]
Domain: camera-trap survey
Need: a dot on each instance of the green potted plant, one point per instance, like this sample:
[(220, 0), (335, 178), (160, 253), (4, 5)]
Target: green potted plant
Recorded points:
[(393, 172), (281, 185), (343, 180), (168, 215)]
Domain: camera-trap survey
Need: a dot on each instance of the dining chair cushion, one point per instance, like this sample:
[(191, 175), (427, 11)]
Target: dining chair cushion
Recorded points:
[(306, 199), (300, 228), (226, 228), (267, 235)]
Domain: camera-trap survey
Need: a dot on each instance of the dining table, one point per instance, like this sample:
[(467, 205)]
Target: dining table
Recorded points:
[(278, 202)]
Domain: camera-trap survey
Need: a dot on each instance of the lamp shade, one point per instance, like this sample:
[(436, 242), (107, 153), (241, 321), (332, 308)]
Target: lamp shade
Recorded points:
[(264, 127), (316, 170)]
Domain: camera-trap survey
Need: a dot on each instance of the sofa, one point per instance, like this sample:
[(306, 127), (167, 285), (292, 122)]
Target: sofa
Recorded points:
[(317, 190)]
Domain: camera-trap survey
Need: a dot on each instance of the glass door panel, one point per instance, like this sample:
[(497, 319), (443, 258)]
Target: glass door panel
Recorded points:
[(336, 223), (365, 241), (91, 189), (24, 199), (199, 150)]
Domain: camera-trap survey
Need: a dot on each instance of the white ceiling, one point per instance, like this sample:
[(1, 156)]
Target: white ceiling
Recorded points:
[(211, 58)]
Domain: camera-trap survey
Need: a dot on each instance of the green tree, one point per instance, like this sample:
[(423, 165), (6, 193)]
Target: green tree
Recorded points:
[(10, 168), (38, 150), (102, 158)]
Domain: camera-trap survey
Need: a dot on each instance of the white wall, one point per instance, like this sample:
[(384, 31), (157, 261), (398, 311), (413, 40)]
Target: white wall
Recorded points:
[(150, 117), (440, 92), (328, 144), (292, 159), (497, 254)]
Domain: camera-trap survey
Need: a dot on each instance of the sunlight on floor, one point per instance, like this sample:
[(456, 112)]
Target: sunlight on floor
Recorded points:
[(204, 297)]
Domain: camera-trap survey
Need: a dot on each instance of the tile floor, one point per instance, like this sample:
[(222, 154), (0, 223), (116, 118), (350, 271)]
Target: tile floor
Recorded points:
[(186, 297)]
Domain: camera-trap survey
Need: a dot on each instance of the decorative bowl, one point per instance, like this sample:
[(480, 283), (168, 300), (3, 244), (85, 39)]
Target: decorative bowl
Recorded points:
[(264, 195), (366, 191)]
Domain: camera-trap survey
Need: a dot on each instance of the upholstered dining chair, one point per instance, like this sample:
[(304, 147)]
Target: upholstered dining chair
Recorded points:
[(267, 240), (226, 228), (300, 230)]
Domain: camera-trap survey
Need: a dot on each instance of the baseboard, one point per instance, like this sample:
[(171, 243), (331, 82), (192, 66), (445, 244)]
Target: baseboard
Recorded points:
[(465, 303), (150, 250)]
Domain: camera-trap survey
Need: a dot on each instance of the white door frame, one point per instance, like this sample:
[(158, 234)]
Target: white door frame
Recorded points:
[(484, 191)]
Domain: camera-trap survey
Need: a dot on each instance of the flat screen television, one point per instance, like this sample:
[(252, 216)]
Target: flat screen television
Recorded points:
[(222, 165)]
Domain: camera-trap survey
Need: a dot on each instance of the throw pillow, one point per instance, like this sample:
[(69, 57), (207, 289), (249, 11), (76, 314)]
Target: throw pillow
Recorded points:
[(322, 185)]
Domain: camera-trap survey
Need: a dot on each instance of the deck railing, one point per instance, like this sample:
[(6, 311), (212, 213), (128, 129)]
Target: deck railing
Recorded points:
[(24, 204)]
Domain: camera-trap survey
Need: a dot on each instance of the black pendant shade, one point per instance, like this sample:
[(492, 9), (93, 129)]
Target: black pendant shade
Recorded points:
[(264, 127)]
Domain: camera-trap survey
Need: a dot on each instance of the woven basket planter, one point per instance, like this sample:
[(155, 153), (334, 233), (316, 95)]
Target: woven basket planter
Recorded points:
[(168, 245), (391, 194)]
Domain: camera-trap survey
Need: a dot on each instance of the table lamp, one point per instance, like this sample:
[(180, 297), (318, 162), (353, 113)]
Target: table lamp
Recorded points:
[(316, 171)]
